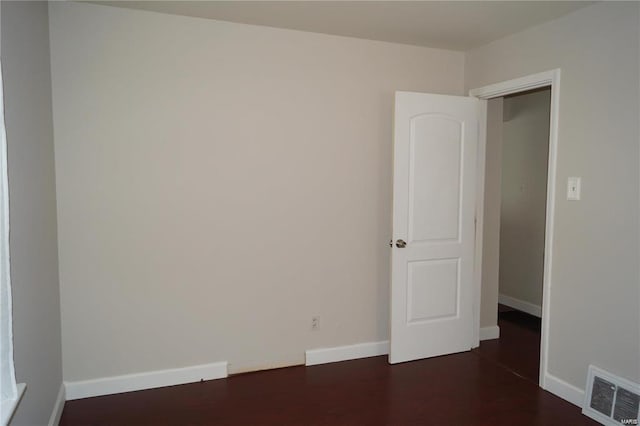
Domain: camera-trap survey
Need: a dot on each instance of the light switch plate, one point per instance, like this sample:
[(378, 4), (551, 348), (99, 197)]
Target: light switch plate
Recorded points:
[(573, 189)]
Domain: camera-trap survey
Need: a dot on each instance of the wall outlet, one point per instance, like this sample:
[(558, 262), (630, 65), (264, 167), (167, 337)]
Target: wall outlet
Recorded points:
[(315, 322)]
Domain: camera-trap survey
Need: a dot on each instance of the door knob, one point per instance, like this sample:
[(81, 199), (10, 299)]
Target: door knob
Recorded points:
[(401, 244)]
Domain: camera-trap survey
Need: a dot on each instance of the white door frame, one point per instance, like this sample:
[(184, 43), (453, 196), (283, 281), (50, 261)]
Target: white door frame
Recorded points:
[(534, 81)]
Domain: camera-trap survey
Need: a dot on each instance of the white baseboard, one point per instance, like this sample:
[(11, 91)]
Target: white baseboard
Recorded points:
[(488, 333), (564, 390), (58, 406), (344, 353), (147, 380), (520, 305)]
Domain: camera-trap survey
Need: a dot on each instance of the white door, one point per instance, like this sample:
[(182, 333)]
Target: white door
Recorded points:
[(435, 149)]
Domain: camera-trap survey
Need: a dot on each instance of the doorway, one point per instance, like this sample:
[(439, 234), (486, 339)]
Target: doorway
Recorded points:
[(448, 134), (487, 329), (517, 152)]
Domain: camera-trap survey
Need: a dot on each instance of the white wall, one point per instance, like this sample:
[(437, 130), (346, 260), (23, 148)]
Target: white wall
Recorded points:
[(525, 153), (219, 184), (491, 215), (32, 208), (595, 301)]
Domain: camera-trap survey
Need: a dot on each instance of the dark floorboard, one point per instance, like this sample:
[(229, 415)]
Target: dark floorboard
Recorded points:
[(460, 389), (518, 348)]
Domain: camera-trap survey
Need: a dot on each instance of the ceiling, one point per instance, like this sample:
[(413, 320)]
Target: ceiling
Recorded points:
[(456, 25)]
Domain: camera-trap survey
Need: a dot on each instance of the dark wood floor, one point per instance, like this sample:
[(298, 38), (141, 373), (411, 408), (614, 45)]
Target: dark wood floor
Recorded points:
[(518, 348), (471, 388)]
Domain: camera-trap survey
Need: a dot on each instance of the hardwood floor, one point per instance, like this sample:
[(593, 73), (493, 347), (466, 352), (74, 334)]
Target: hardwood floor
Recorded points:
[(460, 389), (518, 348)]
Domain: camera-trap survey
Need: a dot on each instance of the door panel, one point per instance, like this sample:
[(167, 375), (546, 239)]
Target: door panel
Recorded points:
[(435, 146), (434, 178), (432, 290)]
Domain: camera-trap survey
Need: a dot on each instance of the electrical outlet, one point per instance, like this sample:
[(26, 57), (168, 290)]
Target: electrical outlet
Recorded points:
[(315, 322)]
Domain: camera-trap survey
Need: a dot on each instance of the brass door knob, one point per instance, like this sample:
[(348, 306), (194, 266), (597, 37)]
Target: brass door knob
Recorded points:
[(401, 244)]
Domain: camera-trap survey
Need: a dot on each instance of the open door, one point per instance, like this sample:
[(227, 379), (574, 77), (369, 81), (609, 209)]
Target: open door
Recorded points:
[(435, 149)]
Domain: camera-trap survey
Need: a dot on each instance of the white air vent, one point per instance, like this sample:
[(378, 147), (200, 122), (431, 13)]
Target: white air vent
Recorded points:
[(611, 400)]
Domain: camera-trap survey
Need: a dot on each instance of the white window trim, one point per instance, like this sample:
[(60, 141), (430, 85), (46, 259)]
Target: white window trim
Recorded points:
[(11, 393), (9, 405)]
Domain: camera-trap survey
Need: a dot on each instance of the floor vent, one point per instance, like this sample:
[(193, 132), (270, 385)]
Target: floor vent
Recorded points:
[(611, 400)]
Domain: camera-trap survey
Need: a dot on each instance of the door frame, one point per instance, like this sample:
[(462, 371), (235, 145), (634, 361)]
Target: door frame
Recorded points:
[(544, 79)]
